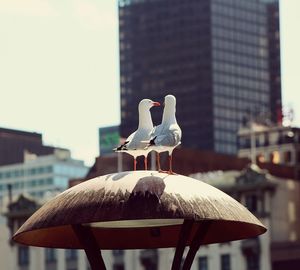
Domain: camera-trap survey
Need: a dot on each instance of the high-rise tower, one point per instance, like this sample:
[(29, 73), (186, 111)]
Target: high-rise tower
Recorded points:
[(220, 58)]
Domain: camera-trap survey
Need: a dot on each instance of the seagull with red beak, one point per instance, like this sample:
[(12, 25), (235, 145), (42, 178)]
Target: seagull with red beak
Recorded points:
[(136, 143), (166, 136)]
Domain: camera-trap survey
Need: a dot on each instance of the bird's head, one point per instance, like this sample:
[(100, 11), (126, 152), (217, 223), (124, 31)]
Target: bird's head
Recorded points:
[(147, 104), (170, 101)]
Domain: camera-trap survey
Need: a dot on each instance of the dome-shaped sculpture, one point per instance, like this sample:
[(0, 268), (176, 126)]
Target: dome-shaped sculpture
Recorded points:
[(141, 209)]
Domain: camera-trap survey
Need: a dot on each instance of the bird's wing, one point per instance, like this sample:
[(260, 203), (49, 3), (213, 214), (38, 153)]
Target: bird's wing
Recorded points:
[(176, 131), (124, 146), (156, 131), (131, 136), (139, 139), (169, 137)]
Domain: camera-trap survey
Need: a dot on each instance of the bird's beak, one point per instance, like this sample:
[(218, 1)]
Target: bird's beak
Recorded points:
[(155, 103)]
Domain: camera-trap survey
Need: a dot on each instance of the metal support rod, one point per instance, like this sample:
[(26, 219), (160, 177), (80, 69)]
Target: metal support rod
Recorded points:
[(91, 248), (153, 167), (146, 163), (158, 162), (198, 239), (182, 241)]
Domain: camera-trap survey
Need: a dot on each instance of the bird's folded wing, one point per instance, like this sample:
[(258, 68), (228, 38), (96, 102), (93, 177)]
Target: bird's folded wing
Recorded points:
[(137, 141)]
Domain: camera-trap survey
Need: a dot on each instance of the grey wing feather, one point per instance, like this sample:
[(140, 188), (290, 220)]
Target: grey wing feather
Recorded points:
[(137, 140), (156, 131), (176, 130), (170, 137)]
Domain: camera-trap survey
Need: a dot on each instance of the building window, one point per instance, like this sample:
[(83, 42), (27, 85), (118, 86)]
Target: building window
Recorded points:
[(202, 261), (118, 267), (287, 156), (23, 255), (225, 262), (251, 202), (49, 169), (71, 254), (49, 181), (275, 157), (50, 255), (118, 252), (252, 262)]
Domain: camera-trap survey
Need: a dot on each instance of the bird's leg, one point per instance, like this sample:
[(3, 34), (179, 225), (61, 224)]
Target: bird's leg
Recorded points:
[(134, 164), (170, 165), (146, 163), (158, 163)]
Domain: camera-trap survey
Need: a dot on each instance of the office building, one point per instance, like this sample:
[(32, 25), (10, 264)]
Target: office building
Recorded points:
[(19, 257), (38, 175), (275, 202), (220, 58), (275, 144)]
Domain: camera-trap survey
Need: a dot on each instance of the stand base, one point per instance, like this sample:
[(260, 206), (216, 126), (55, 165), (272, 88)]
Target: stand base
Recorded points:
[(88, 241)]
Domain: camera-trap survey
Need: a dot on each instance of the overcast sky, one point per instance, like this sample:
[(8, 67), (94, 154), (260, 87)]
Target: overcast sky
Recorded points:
[(59, 70)]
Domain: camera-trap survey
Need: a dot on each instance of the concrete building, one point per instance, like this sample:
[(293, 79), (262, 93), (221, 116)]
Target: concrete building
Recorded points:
[(276, 144), (18, 257), (220, 58), (276, 202), (39, 175)]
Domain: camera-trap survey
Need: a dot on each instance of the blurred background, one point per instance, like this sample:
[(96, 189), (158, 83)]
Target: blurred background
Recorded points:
[(73, 73)]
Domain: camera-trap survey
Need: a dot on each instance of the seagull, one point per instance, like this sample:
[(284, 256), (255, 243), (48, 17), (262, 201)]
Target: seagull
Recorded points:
[(134, 144), (167, 136)]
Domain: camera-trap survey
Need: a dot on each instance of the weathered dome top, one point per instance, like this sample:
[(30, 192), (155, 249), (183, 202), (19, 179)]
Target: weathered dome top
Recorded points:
[(140, 209)]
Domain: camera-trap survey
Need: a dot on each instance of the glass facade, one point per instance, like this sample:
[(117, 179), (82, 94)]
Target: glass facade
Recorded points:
[(202, 263), (225, 262), (23, 255), (240, 67), (48, 173), (213, 55)]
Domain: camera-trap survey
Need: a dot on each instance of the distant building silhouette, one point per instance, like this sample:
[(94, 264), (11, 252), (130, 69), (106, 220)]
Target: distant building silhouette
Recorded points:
[(220, 58), (275, 144), (15, 143)]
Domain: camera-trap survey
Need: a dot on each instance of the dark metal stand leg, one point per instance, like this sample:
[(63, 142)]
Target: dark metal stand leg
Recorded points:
[(198, 239), (183, 238), (86, 238), (158, 162)]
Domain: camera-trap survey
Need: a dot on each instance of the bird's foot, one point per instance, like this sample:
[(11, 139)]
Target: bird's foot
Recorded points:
[(171, 172), (162, 171)]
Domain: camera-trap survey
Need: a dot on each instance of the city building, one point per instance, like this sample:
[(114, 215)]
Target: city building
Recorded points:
[(275, 144), (19, 257), (38, 175), (14, 143), (220, 58), (276, 202), (187, 161)]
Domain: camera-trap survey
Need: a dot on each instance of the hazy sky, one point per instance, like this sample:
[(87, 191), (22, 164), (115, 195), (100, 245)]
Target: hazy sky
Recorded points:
[(59, 70)]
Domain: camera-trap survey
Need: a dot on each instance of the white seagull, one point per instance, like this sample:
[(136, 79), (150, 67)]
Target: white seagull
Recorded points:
[(167, 135), (135, 144)]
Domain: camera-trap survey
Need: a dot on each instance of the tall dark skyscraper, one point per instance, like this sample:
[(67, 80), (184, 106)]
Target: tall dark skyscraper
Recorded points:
[(220, 58)]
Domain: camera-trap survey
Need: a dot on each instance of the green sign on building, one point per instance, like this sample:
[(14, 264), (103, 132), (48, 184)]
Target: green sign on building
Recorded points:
[(109, 138)]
